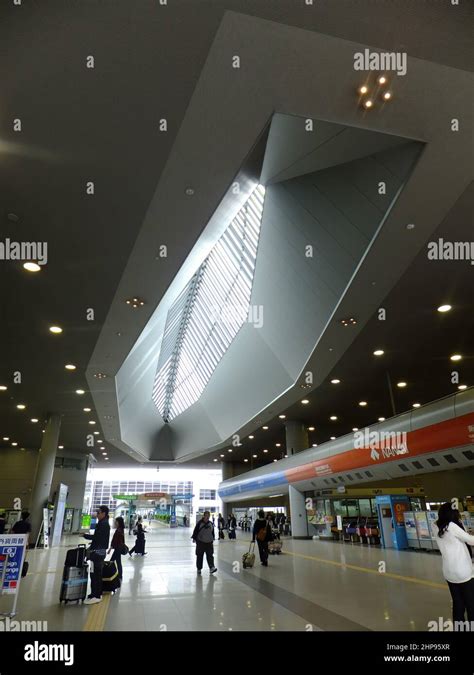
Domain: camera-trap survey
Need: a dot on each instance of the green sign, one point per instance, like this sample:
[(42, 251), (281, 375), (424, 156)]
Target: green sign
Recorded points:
[(86, 522), (125, 498)]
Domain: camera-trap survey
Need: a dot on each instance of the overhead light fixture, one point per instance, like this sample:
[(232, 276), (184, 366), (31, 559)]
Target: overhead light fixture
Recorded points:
[(70, 366), (315, 445), (254, 456), (382, 79), (100, 376), (21, 406), (135, 302), (6, 438), (355, 428), (97, 433), (401, 384), (286, 456), (311, 428), (80, 391), (444, 308), (381, 419), (221, 455), (87, 409), (363, 90), (379, 352), (282, 417), (363, 403), (387, 96), (275, 460), (55, 329), (456, 357), (101, 447), (265, 451), (349, 322), (14, 444), (229, 450), (246, 460), (305, 401), (91, 422), (106, 459), (3, 387), (417, 405), (266, 428), (278, 445), (34, 420), (189, 191), (60, 447), (31, 267), (335, 381), (368, 103), (333, 418), (215, 460), (462, 387), (333, 438), (251, 436)]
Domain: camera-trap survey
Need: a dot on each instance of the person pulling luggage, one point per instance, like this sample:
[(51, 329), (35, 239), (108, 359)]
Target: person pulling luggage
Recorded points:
[(262, 532), (203, 536), (96, 553)]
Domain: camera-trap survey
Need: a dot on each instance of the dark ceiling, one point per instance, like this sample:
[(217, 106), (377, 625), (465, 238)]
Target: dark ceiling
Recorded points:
[(101, 124)]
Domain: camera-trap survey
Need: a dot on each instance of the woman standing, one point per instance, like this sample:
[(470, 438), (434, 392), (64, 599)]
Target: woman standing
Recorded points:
[(454, 543), (140, 540), (117, 543)]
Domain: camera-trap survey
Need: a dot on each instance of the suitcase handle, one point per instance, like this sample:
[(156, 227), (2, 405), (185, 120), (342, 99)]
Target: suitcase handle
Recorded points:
[(250, 547)]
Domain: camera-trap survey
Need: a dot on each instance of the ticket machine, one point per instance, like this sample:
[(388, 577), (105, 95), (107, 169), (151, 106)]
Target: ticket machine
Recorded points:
[(391, 509)]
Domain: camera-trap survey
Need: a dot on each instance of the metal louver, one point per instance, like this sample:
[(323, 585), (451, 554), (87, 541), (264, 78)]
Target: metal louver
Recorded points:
[(207, 315)]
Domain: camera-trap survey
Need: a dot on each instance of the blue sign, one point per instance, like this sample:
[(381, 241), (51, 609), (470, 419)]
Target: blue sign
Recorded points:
[(12, 553)]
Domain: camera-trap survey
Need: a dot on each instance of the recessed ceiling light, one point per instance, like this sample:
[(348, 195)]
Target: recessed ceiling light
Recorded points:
[(355, 428), (14, 444), (97, 433), (34, 420), (462, 386), (55, 329), (382, 79), (135, 302), (417, 405), (70, 366), (87, 409), (91, 422), (246, 460), (80, 391), (222, 455), (333, 418), (21, 406), (215, 460), (368, 103), (381, 419), (348, 322), (266, 428), (266, 450), (275, 460), (286, 455), (254, 456), (444, 308), (305, 401), (333, 438), (6, 438), (278, 445), (363, 89), (251, 437), (229, 450), (311, 428), (101, 447), (456, 357), (315, 445), (60, 447), (379, 352), (363, 403), (387, 96), (410, 226), (189, 191), (401, 384), (100, 376), (3, 387), (31, 267), (335, 381), (282, 417)]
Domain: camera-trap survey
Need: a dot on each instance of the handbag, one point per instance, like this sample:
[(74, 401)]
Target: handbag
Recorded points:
[(124, 550), (262, 534)]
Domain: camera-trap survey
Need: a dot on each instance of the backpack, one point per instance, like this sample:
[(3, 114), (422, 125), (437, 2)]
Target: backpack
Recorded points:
[(262, 533)]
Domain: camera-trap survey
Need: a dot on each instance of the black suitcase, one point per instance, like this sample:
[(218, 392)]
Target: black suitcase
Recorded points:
[(74, 584), (232, 534), (110, 577), (75, 557)]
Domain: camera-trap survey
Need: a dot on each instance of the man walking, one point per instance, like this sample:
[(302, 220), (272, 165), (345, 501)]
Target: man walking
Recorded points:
[(203, 536), (97, 552)]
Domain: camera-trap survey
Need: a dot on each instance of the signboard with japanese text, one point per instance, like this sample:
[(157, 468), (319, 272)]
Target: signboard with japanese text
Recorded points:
[(12, 554)]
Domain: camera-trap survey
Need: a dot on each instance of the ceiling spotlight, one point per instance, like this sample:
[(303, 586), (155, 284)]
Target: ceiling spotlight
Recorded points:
[(368, 103), (265, 428), (333, 438), (222, 455), (135, 302), (60, 447), (34, 420), (14, 444), (106, 459), (462, 387), (349, 322), (215, 460), (381, 419), (80, 391), (305, 401), (275, 460), (362, 403), (6, 438), (282, 417), (278, 445), (401, 384), (444, 308), (87, 409), (31, 267), (333, 418), (21, 406), (363, 89), (100, 376), (387, 96), (286, 456), (335, 381), (456, 357), (251, 436), (246, 460), (91, 422), (70, 366), (189, 191), (410, 226), (355, 428), (13, 217), (3, 387), (379, 352), (55, 329), (315, 445), (310, 428), (229, 450), (417, 405), (101, 447), (97, 433), (382, 79), (254, 456), (266, 450)]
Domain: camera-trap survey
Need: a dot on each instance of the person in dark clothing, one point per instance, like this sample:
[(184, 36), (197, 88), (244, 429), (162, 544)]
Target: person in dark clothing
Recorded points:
[(117, 543), (203, 536), (220, 525), (139, 547), (262, 532), (97, 552), (185, 520), (22, 526), (2, 523), (232, 525)]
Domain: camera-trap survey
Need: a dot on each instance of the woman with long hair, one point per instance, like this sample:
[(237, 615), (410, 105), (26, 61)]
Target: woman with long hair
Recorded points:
[(117, 543), (139, 547), (455, 546)]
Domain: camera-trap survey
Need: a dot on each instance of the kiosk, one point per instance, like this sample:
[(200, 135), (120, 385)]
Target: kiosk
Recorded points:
[(391, 509)]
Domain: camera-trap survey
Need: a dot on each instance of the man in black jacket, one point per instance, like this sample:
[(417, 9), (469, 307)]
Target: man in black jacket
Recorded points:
[(97, 552), (204, 537)]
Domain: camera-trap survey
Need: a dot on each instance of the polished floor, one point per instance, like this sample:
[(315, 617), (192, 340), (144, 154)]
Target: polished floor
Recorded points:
[(313, 585)]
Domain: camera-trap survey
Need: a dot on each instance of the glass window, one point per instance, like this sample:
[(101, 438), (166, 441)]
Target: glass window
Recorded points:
[(365, 509), (352, 508), (339, 508)]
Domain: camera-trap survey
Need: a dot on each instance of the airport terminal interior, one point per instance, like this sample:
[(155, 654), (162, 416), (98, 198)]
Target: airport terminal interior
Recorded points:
[(236, 275)]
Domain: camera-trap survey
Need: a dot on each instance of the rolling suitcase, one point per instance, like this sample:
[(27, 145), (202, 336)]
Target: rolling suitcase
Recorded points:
[(274, 547), (75, 557), (232, 534), (74, 584), (248, 559), (110, 577)]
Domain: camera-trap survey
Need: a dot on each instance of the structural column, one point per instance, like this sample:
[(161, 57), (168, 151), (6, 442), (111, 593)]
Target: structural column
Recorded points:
[(299, 518), (44, 474), (296, 437), (227, 472)]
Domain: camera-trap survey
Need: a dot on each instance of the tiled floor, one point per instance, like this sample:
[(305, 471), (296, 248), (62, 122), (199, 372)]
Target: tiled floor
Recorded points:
[(312, 586)]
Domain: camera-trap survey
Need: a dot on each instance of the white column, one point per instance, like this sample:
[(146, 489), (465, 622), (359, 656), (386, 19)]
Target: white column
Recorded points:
[(299, 519)]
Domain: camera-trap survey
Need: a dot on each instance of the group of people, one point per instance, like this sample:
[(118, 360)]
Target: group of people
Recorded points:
[(22, 526)]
